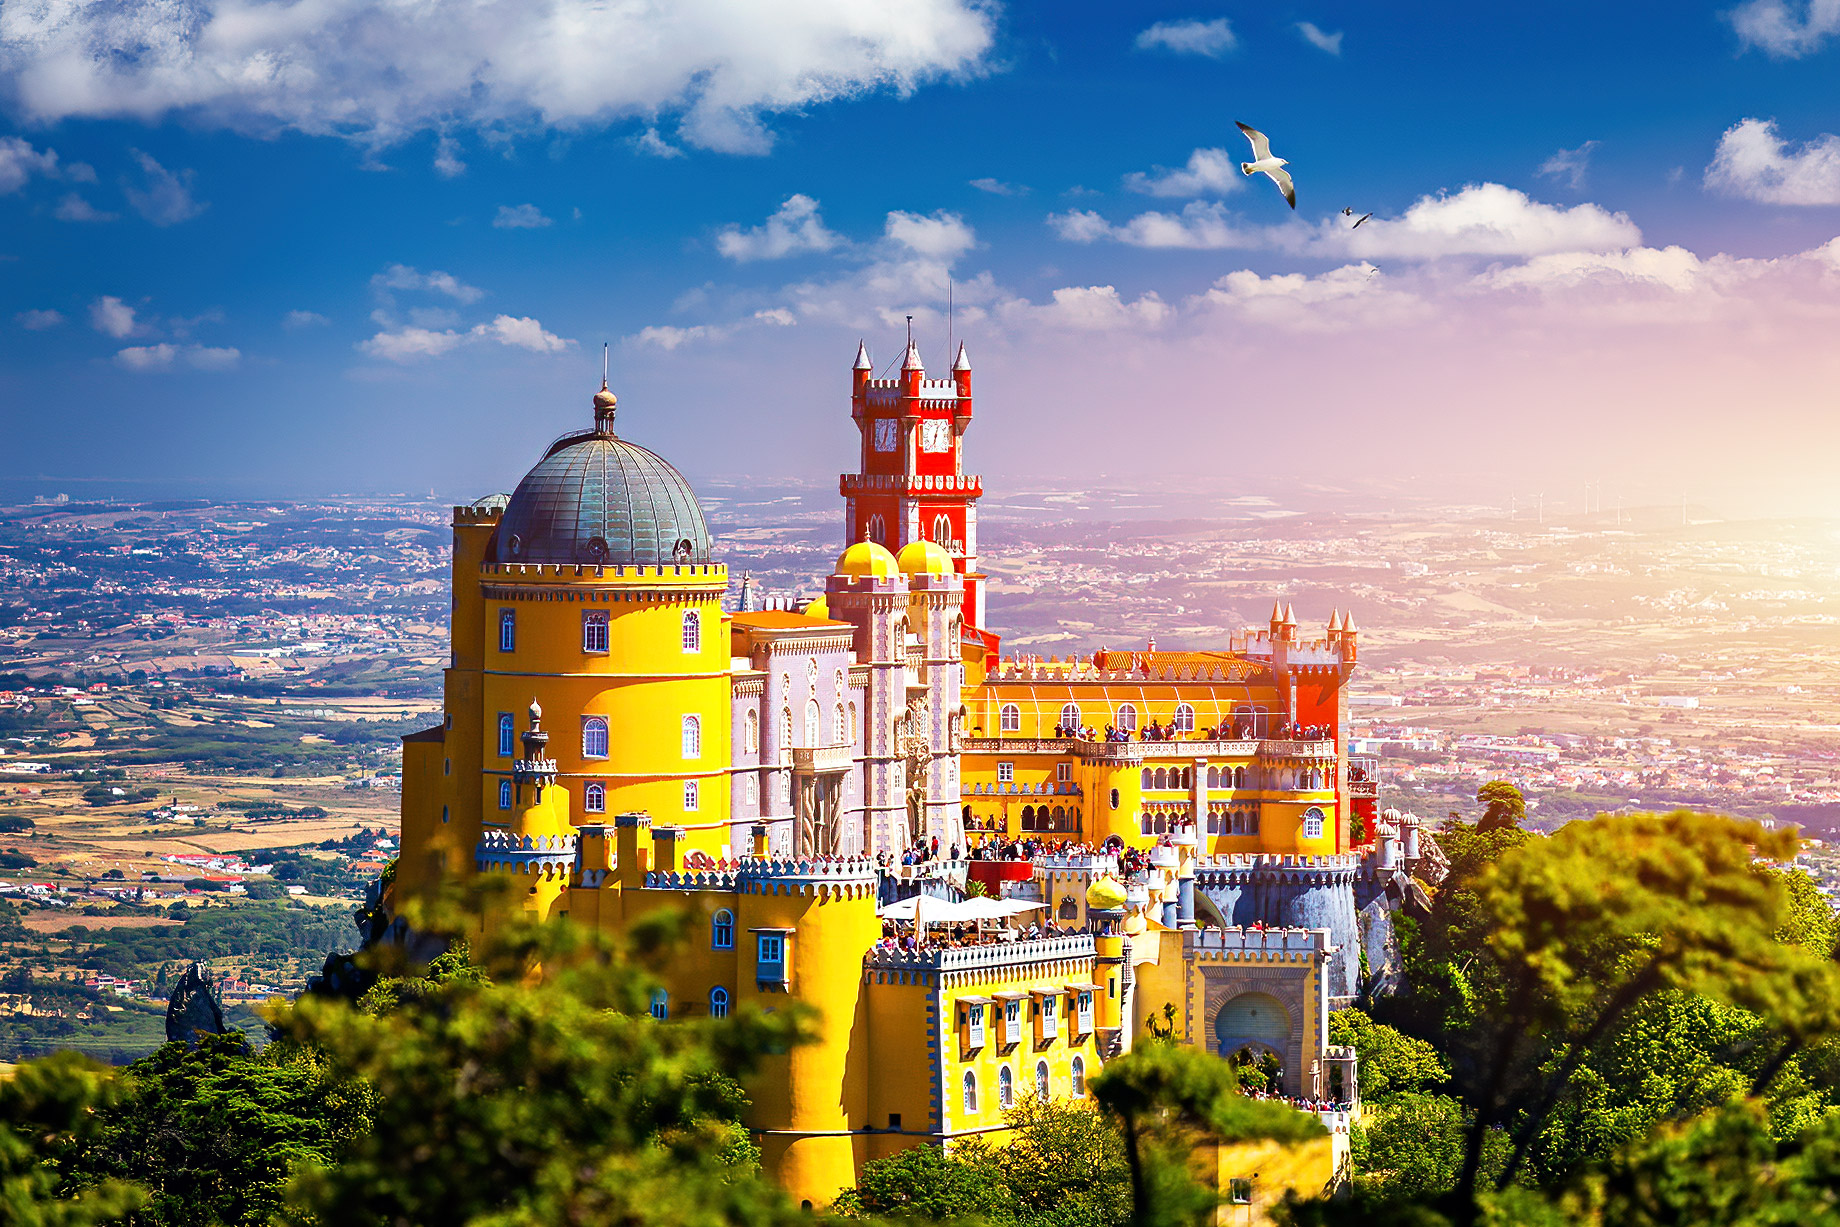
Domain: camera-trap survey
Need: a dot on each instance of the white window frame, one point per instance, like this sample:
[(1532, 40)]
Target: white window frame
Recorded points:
[(1074, 708), (1184, 720), (969, 1090), (594, 632), (1012, 1021), (1006, 773), (1083, 1011), (1063, 772), (1006, 1088), (1313, 823), (692, 795), (1127, 718), (753, 790), (1009, 718), (691, 729), (594, 797), (1042, 1080), (974, 1024), (591, 724), (692, 634), (750, 737), (1077, 1075)]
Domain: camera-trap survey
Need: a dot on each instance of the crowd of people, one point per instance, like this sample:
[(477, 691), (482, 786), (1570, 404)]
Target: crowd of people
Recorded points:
[(1302, 1104), (1226, 730), (904, 938)]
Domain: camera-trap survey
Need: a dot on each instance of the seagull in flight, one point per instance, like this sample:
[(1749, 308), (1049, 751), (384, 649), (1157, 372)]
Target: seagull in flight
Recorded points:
[(1349, 212), (1264, 164)]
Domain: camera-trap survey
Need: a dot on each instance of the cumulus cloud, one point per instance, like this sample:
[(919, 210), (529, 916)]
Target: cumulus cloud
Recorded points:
[(1569, 166), (654, 145), (996, 187), (111, 316), (19, 161), (447, 161), (668, 338), (520, 217), (794, 228), (1092, 308), (941, 236), (380, 72), (407, 344), (1209, 172), (73, 208), (1314, 35), (1483, 219), (1754, 162), (1785, 30), (38, 321), (1193, 37), (1200, 225), (166, 357), (303, 319), (403, 277), (162, 196)]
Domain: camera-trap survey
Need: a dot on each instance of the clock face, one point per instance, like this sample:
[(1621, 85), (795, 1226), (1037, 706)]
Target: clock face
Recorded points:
[(935, 436), (887, 432)]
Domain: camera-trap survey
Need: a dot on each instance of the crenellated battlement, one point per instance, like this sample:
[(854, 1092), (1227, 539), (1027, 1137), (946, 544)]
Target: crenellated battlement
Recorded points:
[(507, 851), (1256, 942)]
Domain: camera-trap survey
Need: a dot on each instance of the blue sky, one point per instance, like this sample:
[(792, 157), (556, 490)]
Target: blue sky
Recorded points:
[(288, 249)]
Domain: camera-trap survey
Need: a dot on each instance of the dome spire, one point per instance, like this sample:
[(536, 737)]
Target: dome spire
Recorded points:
[(605, 402)]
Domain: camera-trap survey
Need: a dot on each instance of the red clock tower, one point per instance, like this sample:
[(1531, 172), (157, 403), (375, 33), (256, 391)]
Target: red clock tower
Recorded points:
[(912, 484)]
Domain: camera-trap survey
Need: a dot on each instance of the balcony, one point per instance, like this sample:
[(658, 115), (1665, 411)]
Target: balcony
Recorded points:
[(817, 760)]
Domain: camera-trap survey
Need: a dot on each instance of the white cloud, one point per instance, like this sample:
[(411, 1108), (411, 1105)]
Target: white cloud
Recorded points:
[(1201, 225), (794, 228), (1209, 172), (409, 343), (942, 236), (776, 315), (303, 319), (19, 162), (1210, 38), (73, 208), (1569, 166), (996, 187), (1314, 35), (38, 321), (403, 277), (1092, 308), (1784, 30), (1483, 219), (668, 338), (447, 162), (111, 316), (649, 142), (1754, 162), (162, 197), (163, 357), (147, 357), (520, 217), (379, 72)]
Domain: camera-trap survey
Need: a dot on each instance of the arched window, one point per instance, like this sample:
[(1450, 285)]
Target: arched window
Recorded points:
[(693, 737), (850, 732), (1239, 823), (1185, 718), (840, 732), (594, 797), (718, 1002), (814, 720), (1041, 1080), (1239, 777), (1009, 719), (1006, 1089), (507, 735), (504, 794), (1079, 1076), (1114, 798), (1127, 718), (690, 795), (443, 813), (1159, 826), (594, 737), (1028, 817), (1213, 777), (1148, 777), (1146, 824), (1160, 780), (878, 530), (693, 631), (753, 791), (1188, 777), (594, 631), (942, 531), (661, 1004), (722, 930), (970, 1091), (1312, 823), (750, 737)]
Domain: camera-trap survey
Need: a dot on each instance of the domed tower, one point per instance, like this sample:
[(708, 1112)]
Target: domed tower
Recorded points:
[(590, 593)]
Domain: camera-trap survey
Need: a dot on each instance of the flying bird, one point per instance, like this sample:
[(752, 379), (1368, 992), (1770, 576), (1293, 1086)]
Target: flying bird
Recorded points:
[(1349, 212), (1264, 164)]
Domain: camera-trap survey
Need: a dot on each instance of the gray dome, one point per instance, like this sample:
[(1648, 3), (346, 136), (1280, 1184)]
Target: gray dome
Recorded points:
[(597, 499)]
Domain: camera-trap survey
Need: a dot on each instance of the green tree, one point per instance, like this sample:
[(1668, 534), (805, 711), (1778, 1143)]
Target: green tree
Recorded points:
[(1503, 806), (47, 1107), (923, 1182), (1390, 1061)]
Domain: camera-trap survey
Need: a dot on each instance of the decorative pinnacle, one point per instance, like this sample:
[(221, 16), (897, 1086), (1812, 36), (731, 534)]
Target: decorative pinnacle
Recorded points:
[(862, 356)]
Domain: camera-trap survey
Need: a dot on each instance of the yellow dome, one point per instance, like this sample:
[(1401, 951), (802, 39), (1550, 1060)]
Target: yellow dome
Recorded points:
[(924, 558), (1105, 895), (820, 608), (867, 560)]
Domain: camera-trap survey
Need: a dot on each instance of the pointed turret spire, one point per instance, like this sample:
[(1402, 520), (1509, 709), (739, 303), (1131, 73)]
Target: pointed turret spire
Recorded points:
[(1277, 612), (1290, 619), (912, 361), (746, 603), (862, 357), (963, 361)]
